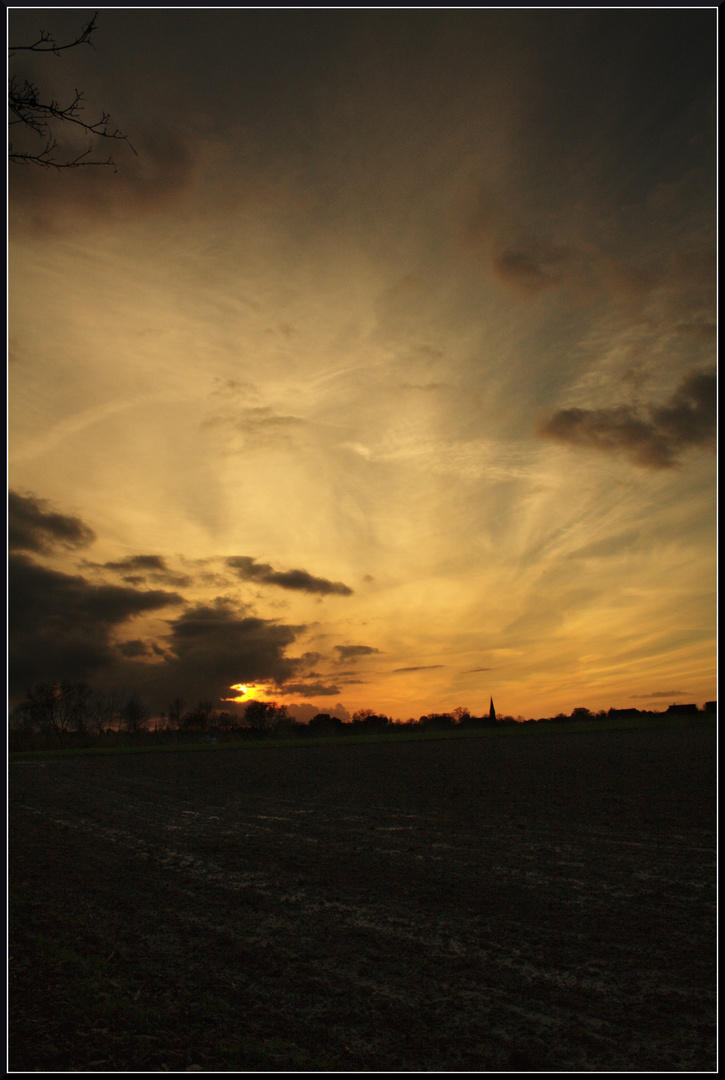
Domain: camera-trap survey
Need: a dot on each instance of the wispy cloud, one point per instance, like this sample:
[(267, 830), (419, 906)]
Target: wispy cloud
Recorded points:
[(422, 667), (318, 318), (662, 694), (256, 428)]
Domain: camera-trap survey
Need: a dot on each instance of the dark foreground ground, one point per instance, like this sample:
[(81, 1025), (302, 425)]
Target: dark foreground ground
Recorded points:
[(523, 903)]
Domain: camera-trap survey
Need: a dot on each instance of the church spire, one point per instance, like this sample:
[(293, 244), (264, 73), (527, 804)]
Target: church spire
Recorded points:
[(492, 712)]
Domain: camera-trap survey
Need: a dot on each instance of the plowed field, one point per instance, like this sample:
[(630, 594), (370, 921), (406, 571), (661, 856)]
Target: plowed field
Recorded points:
[(493, 903)]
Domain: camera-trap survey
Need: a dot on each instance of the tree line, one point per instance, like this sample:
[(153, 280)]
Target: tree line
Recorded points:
[(67, 713)]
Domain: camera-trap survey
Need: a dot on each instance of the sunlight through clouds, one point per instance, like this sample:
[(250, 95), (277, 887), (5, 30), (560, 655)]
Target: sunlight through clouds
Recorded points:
[(426, 315)]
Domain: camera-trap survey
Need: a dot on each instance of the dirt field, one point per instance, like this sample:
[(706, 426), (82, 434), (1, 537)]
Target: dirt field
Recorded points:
[(496, 903)]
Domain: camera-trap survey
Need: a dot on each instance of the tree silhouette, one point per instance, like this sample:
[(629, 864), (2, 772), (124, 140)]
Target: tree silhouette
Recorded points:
[(135, 713), (198, 717), (29, 112), (369, 720), (264, 715), (175, 712), (325, 724), (103, 709), (58, 707)]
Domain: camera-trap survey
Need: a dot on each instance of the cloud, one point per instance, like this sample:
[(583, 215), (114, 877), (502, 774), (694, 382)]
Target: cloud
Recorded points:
[(310, 689), (154, 566), (684, 282), (609, 546), (249, 569), (32, 526), (633, 284), (663, 694), (133, 648), (351, 652), (532, 266), (700, 331), (138, 562), (310, 658), (304, 712), (426, 388), (47, 201), (61, 626), (213, 645), (256, 427), (687, 420), (424, 667)]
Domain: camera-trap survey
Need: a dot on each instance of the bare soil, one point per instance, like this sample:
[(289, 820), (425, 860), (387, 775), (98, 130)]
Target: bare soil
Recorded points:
[(522, 903)]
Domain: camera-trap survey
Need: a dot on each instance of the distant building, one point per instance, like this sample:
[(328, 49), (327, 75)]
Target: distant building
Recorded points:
[(689, 709), (492, 712), (711, 706)]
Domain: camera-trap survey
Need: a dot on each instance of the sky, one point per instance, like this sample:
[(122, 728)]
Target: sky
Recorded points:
[(381, 372)]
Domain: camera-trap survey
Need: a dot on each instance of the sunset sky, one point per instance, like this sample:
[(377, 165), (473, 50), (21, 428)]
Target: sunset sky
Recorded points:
[(384, 374)]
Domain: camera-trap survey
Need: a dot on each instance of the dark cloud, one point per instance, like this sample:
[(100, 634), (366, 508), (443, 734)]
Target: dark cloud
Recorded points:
[(310, 658), (656, 440), (424, 667), (60, 626), (213, 646), (611, 430), (33, 526), (297, 580), (473, 670), (152, 566), (532, 267), (310, 689), (133, 648), (689, 418), (138, 562), (351, 652), (64, 626)]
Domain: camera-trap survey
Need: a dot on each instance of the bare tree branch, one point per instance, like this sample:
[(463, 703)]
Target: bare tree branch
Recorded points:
[(46, 43), (27, 109)]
